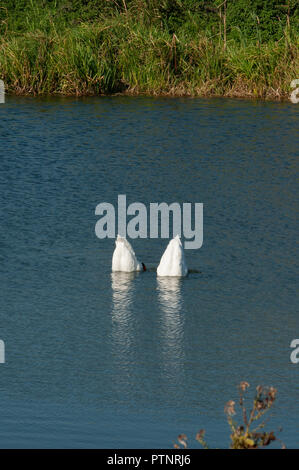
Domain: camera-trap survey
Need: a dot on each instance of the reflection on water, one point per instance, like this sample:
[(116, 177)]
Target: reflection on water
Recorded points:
[(169, 291), (122, 297), (172, 325)]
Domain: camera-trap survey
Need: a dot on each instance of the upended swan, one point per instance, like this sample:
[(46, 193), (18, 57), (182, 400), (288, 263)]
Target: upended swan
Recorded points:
[(124, 258), (173, 261)]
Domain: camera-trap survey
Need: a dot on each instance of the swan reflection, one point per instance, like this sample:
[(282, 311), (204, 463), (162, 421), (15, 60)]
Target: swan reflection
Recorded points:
[(169, 291), (172, 321), (122, 298)]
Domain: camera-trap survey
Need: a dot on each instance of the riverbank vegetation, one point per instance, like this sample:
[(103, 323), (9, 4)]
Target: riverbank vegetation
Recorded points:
[(250, 434), (237, 48)]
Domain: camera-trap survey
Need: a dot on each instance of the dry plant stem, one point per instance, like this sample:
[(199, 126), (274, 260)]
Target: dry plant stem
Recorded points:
[(243, 437)]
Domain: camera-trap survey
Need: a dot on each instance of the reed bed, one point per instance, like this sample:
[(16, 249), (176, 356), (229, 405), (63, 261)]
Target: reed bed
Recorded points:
[(127, 54)]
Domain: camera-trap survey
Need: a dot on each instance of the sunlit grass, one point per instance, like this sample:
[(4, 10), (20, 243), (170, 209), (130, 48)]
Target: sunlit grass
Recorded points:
[(123, 53)]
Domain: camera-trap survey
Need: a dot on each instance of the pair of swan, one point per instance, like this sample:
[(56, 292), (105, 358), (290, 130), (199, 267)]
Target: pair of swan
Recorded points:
[(172, 262)]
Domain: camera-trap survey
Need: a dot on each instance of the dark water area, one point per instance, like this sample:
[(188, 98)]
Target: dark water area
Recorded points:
[(95, 359)]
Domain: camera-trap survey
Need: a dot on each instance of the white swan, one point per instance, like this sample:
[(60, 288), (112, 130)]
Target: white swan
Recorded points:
[(173, 261), (124, 258)]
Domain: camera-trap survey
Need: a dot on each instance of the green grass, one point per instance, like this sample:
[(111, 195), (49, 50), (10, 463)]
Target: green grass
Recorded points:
[(127, 53)]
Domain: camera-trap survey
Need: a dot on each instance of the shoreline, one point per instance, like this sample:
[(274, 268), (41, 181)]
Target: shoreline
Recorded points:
[(283, 98)]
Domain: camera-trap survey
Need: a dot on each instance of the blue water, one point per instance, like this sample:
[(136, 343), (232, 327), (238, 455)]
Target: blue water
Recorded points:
[(95, 360)]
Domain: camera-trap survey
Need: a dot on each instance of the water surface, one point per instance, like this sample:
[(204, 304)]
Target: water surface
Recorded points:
[(95, 359)]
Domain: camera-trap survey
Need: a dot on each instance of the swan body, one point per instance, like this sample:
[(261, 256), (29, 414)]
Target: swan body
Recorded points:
[(124, 258), (173, 261)]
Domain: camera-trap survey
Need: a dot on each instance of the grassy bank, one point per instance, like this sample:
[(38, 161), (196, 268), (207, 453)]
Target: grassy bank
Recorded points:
[(129, 51)]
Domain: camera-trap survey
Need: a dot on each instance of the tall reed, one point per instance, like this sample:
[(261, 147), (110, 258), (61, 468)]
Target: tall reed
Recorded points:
[(127, 53)]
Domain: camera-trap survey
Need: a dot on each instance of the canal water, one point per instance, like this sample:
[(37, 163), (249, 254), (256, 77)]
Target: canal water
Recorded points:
[(102, 360)]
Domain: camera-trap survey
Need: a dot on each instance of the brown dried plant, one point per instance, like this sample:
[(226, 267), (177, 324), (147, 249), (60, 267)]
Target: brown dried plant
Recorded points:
[(244, 436)]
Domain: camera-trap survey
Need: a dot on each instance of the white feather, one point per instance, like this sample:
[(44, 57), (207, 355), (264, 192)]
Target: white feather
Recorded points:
[(124, 258), (173, 260)]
